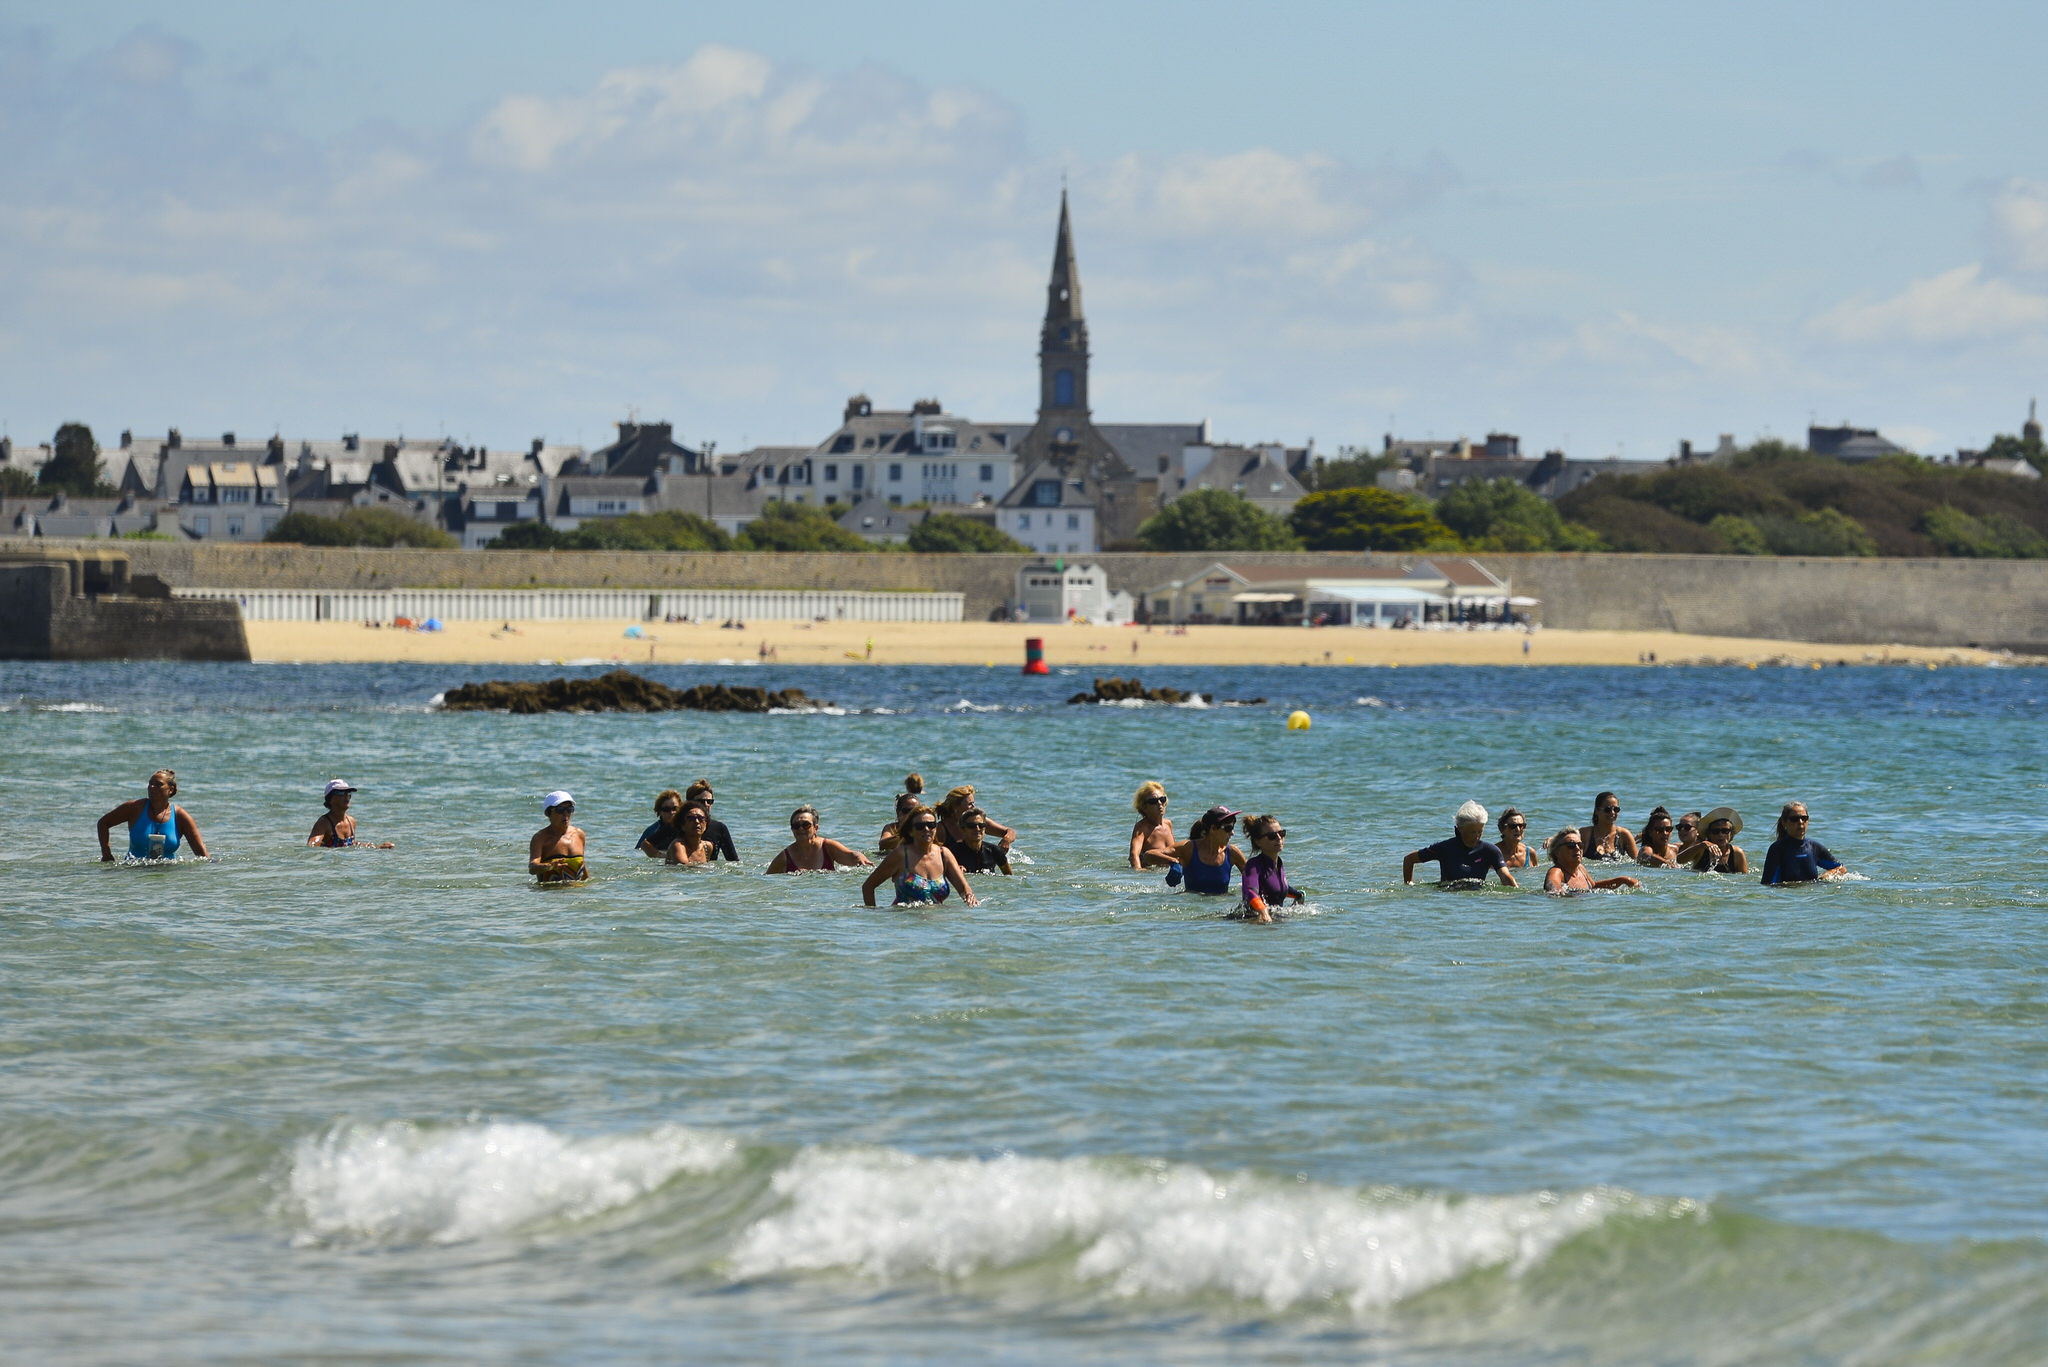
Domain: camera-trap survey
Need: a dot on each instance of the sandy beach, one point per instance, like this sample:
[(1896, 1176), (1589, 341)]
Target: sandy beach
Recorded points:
[(1119, 650)]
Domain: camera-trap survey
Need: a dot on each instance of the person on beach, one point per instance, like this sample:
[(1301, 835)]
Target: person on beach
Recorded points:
[(1265, 883), (655, 840), (336, 829), (1568, 870), (156, 824), (692, 844), (1466, 856), (975, 851), (810, 852), (1515, 852), (922, 869), (1653, 847), (715, 831), (1206, 857), (1607, 838), (1718, 852), (1792, 858), (958, 801), (1152, 839), (555, 854)]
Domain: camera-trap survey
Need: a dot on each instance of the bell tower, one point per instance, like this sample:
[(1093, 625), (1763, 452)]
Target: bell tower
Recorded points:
[(1063, 341)]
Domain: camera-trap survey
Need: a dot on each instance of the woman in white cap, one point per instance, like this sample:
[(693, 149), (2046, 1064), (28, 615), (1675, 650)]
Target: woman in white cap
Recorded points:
[(1717, 851), (555, 854), (336, 829)]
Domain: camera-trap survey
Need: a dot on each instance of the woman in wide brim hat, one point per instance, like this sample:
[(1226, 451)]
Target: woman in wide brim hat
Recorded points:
[(1717, 851)]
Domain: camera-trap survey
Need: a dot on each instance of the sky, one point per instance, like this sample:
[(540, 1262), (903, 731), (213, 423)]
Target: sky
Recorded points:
[(1604, 228)]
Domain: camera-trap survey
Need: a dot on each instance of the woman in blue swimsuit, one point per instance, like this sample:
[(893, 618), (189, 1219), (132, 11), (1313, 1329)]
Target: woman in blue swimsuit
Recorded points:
[(1207, 856), (921, 867), (156, 824)]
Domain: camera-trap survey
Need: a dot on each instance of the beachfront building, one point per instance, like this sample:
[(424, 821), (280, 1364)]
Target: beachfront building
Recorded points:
[(1335, 594), (230, 500), (1065, 593)]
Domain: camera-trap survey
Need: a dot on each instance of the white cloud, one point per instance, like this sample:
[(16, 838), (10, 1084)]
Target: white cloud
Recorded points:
[(1962, 305), (2019, 226)]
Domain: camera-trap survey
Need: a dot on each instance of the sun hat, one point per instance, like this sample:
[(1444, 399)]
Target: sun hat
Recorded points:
[(1728, 814), (554, 800), (337, 785)]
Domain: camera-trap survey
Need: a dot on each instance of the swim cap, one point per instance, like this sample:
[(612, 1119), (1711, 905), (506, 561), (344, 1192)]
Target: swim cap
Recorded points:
[(554, 800)]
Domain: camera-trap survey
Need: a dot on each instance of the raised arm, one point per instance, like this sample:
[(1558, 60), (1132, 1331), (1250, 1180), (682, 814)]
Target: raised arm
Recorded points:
[(120, 816)]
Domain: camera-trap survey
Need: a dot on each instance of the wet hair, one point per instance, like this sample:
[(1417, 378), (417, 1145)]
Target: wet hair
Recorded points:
[(172, 775), (1145, 790), (1502, 824), (1604, 797), (1556, 840), (666, 795), (913, 784), (817, 822), (1655, 812), (1471, 814), (1785, 814), (1263, 822)]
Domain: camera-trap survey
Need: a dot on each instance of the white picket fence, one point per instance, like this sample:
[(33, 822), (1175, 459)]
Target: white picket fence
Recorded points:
[(531, 605)]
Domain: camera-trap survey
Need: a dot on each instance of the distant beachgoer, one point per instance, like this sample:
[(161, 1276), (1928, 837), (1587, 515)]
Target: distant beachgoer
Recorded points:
[(336, 828), (1718, 853), (922, 869), (975, 851), (1515, 852), (1792, 858), (692, 844), (1265, 883), (1206, 857), (1465, 857), (1653, 846), (555, 854), (156, 825), (1606, 838), (715, 831), (810, 852), (655, 840), (1568, 870), (1152, 839)]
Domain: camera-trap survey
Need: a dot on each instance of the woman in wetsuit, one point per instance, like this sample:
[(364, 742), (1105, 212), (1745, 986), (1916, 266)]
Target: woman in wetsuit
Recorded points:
[(336, 829), (1206, 857), (156, 824), (1265, 882), (1514, 851), (1654, 848), (921, 867), (1792, 858), (975, 851), (1607, 838), (809, 852)]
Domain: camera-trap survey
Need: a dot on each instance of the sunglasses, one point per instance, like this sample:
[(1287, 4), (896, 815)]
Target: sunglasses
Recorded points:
[(667, 809), (1610, 807), (695, 816), (704, 798), (1279, 833), (924, 825), (1721, 828), (1570, 845), (1514, 825), (1155, 801), (1796, 818), (802, 825)]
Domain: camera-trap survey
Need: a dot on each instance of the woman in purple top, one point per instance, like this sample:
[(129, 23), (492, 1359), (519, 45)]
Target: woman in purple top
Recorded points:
[(1265, 882)]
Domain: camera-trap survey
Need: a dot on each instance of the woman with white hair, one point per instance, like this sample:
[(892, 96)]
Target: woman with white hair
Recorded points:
[(1568, 868), (1465, 857)]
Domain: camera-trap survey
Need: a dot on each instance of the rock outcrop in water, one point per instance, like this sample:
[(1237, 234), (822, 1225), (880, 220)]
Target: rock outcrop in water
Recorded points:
[(1131, 690), (619, 691)]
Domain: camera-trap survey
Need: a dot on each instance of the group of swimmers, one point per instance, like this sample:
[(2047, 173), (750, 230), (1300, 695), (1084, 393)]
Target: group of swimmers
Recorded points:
[(1704, 844), (927, 852)]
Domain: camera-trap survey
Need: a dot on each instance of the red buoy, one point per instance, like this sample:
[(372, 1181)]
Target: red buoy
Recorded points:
[(1034, 655)]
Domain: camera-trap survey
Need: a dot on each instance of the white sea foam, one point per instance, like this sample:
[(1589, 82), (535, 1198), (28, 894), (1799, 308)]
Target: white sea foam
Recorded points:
[(400, 1183), (437, 702), (1169, 1230), (965, 706), (1367, 702), (69, 707)]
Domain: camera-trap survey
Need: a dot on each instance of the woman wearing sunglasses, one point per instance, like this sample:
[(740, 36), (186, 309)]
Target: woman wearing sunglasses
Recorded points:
[(1792, 858), (1607, 838), (1206, 857), (655, 840), (1653, 847), (692, 843), (922, 868), (1514, 850), (1265, 883), (1718, 852), (1152, 839), (1568, 869), (975, 851), (810, 852)]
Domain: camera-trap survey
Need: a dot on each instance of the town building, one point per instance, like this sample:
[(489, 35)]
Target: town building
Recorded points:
[(1066, 593), (1850, 443), (1335, 594), (230, 500)]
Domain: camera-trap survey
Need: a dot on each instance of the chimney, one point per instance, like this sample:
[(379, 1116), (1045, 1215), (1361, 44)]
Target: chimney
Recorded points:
[(858, 407), (534, 453), (273, 452), (227, 439), (174, 442), (127, 439), (351, 441)]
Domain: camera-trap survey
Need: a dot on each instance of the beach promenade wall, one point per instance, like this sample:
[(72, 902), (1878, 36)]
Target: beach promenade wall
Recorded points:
[(1990, 603)]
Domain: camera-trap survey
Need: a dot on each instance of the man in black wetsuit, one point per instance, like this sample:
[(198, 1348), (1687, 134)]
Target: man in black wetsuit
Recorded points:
[(1465, 857)]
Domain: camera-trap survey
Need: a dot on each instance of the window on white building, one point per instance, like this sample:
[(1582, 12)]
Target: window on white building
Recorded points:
[(859, 475), (895, 472), (203, 525), (1073, 522), (234, 526), (831, 474), (988, 472)]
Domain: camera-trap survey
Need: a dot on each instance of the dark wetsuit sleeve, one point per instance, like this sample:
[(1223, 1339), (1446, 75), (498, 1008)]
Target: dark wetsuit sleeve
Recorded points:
[(1772, 859), (721, 844), (1821, 857)]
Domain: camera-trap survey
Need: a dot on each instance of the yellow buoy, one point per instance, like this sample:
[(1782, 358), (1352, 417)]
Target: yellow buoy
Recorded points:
[(1297, 721)]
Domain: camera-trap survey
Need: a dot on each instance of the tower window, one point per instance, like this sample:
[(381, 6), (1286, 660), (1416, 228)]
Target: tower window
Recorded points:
[(1063, 389)]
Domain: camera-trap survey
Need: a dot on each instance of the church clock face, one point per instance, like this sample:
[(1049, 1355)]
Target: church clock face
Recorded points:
[(1065, 434)]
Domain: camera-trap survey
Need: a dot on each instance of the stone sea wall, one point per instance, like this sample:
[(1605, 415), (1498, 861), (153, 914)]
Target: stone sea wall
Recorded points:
[(1991, 603)]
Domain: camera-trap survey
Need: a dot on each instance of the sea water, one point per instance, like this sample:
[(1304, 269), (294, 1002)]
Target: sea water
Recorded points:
[(404, 1106)]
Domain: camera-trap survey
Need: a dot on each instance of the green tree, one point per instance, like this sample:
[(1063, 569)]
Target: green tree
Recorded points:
[(1369, 520), (1214, 520), (1991, 536), (1739, 535), (16, 483), (1830, 531), (950, 533), (526, 536), (2030, 449), (1506, 515), (74, 464), (1355, 467), (359, 527), (667, 531), (797, 527)]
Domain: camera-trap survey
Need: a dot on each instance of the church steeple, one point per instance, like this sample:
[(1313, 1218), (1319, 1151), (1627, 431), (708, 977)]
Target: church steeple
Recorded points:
[(1063, 342)]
